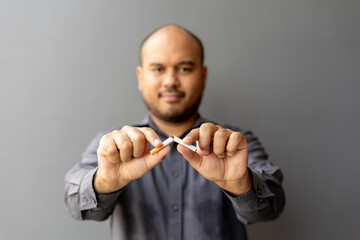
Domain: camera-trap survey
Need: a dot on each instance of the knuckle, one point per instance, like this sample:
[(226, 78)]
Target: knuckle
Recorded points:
[(105, 139), (118, 138), (145, 129), (115, 132), (113, 135), (148, 130), (126, 145), (107, 136), (102, 139), (126, 127), (149, 133), (108, 150), (138, 138), (99, 151), (221, 132), (206, 126), (241, 139), (237, 136)]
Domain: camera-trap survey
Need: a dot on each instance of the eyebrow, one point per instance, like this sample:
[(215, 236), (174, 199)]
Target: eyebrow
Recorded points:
[(186, 63), (156, 64)]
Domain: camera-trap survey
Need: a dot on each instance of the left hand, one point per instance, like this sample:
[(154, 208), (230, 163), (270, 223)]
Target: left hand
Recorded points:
[(222, 157)]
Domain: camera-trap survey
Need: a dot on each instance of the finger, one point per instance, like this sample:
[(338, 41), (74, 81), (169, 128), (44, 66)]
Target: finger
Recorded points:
[(138, 140), (151, 136), (124, 145), (153, 159), (243, 142), (192, 136), (192, 157), (233, 143), (206, 134), (221, 137), (108, 148)]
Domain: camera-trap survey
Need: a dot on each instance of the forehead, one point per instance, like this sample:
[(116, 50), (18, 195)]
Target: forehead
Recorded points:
[(170, 44)]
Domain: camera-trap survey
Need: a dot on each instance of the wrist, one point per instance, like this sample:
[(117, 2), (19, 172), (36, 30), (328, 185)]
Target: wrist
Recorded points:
[(104, 186), (237, 187)]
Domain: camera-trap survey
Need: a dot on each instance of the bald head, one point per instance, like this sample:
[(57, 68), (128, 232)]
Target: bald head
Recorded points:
[(172, 32)]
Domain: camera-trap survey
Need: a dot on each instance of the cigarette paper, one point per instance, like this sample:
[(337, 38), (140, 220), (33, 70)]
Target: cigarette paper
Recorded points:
[(165, 143), (179, 141)]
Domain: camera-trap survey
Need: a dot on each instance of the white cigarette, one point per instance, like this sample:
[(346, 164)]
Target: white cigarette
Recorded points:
[(168, 141), (165, 143), (179, 141)]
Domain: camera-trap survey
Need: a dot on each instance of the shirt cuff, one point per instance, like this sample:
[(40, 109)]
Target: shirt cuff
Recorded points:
[(255, 199), (260, 186), (87, 192), (89, 200)]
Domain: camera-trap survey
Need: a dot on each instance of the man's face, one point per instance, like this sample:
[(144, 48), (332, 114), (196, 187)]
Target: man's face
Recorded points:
[(171, 78)]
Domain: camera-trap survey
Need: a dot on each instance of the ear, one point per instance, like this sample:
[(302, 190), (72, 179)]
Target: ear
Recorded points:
[(204, 75), (139, 73)]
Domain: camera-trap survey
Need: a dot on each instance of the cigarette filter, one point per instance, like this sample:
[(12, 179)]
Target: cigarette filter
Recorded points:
[(165, 143)]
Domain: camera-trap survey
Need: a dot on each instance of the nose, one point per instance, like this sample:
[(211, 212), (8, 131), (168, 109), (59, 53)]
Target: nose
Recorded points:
[(171, 79)]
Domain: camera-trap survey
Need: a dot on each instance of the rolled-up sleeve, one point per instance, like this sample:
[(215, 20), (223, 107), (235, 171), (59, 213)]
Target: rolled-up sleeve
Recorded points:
[(80, 197)]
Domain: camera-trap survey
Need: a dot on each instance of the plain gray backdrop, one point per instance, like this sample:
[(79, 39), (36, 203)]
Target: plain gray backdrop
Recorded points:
[(288, 70)]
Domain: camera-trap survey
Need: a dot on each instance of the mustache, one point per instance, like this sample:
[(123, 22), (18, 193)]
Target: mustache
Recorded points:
[(171, 90)]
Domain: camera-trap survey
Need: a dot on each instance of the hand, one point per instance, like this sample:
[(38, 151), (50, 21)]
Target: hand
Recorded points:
[(222, 157), (124, 155)]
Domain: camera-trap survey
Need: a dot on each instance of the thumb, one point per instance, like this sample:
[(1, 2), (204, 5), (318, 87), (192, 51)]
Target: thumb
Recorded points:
[(192, 157), (153, 159)]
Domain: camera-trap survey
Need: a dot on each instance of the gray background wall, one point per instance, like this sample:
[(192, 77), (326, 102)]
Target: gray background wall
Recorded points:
[(288, 70)]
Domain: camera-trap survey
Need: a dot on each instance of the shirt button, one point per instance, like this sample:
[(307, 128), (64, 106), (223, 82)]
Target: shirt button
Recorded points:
[(175, 207), (175, 173), (259, 191)]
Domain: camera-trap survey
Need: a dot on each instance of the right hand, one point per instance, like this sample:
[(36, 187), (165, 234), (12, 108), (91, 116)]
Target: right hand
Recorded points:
[(124, 155)]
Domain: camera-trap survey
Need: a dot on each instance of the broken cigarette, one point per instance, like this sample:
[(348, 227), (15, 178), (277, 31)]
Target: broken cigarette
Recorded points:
[(170, 140), (180, 141), (165, 143)]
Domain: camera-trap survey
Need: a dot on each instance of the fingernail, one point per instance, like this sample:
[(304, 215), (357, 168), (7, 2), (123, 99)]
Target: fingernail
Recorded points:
[(187, 139), (230, 154), (204, 152), (157, 142)]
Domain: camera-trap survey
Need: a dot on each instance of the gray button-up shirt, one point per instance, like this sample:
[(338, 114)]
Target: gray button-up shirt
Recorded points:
[(173, 201)]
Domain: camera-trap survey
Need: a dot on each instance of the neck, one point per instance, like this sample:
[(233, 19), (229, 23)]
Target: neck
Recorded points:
[(174, 128)]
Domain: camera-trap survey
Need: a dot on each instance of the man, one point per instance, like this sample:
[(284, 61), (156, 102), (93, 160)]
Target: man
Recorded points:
[(175, 193)]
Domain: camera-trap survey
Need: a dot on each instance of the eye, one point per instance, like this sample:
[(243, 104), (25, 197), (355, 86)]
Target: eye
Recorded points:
[(185, 69), (158, 69)]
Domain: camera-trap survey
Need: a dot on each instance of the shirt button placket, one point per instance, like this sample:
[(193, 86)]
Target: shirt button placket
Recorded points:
[(175, 197), (175, 207)]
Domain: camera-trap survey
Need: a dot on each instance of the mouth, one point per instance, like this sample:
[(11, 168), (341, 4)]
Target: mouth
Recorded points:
[(171, 96)]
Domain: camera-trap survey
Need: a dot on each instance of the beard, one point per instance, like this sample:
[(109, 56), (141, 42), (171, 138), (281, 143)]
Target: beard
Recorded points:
[(174, 115)]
